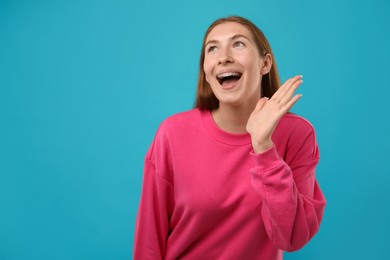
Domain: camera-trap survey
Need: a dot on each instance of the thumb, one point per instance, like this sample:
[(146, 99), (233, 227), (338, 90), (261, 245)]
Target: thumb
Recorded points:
[(261, 103)]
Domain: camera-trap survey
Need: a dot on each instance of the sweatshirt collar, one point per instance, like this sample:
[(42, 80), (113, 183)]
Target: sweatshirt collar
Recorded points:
[(220, 135)]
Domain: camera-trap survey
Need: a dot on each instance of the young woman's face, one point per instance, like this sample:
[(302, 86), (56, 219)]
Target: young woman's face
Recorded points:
[(232, 64)]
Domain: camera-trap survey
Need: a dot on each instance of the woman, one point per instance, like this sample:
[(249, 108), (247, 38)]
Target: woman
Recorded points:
[(233, 178)]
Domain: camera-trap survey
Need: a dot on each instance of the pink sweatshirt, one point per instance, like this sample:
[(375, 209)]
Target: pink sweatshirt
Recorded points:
[(206, 195)]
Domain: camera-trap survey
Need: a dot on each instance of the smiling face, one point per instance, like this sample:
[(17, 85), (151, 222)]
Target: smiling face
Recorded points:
[(232, 64)]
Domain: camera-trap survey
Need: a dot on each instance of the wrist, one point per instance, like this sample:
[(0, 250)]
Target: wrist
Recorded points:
[(260, 147)]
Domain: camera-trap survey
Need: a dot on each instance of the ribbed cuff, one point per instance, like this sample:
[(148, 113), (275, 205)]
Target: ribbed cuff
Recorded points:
[(267, 159)]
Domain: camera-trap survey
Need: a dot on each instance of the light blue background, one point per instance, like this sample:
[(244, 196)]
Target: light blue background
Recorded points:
[(85, 84)]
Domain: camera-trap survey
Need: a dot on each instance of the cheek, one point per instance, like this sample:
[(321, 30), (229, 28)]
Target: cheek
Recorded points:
[(256, 67), (255, 73), (253, 69), (207, 70)]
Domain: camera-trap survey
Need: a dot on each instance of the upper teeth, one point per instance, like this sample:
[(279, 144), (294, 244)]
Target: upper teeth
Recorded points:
[(228, 74)]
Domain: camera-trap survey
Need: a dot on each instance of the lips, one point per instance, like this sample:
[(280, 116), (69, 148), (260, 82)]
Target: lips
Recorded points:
[(228, 79)]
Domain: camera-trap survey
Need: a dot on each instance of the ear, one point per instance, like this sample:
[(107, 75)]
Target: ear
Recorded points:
[(267, 64)]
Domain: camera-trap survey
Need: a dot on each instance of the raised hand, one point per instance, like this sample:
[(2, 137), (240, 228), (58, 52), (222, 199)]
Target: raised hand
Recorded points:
[(265, 117)]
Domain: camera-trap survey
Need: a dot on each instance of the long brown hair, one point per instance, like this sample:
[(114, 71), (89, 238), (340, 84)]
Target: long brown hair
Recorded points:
[(205, 98)]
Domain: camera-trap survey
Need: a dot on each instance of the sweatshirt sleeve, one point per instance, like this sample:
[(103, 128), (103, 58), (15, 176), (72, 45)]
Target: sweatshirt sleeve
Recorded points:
[(156, 206), (292, 202)]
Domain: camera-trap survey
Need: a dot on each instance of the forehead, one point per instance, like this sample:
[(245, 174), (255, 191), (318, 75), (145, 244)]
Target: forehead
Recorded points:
[(227, 30)]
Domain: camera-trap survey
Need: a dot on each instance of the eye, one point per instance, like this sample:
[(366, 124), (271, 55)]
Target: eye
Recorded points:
[(238, 44), (212, 48)]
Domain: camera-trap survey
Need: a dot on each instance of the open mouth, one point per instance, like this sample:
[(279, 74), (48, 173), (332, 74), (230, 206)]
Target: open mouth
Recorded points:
[(228, 78)]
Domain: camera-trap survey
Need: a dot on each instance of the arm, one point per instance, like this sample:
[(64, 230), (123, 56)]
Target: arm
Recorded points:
[(293, 203), (156, 205)]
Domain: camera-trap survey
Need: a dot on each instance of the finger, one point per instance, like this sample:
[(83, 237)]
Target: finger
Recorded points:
[(286, 88), (290, 92), (282, 89), (261, 103), (290, 103)]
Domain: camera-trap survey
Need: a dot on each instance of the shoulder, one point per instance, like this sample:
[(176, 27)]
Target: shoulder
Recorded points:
[(182, 117), (175, 127), (295, 124), (179, 122), (296, 138), (294, 130)]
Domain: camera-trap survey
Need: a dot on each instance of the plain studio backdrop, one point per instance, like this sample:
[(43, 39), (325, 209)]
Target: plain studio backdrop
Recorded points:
[(85, 84)]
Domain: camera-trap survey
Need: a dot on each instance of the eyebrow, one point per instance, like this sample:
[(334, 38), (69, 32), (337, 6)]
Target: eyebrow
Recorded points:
[(236, 36)]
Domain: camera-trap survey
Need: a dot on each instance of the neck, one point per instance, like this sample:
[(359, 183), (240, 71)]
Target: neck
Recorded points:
[(233, 119)]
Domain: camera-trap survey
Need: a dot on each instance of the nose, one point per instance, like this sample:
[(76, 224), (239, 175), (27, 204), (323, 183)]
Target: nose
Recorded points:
[(225, 57)]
